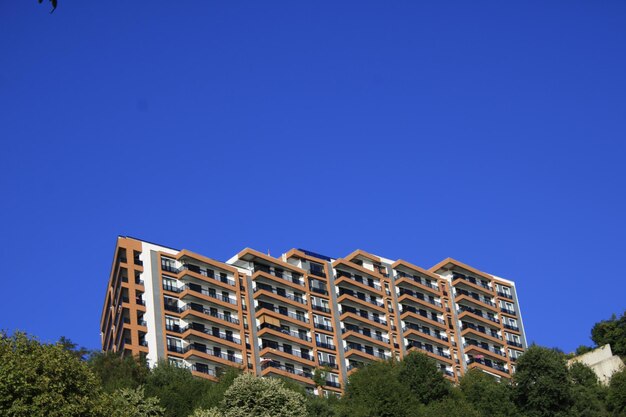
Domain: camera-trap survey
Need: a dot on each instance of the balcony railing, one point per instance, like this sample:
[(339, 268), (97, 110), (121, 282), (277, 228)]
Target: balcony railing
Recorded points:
[(358, 278), (203, 349), (419, 296), (320, 308), (318, 272), (471, 280), (477, 312), (508, 326), (299, 317), (212, 294), (505, 295), (488, 363), (319, 290), (472, 326), (297, 353), (411, 309), (323, 327), (348, 309), (325, 345), (425, 331), (417, 279), (291, 370), (209, 273), (360, 296), (476, 297), (260, 286), (369, 351), (488, 348), (291, 333), (203, 369), (419, 346), (512, 343), (210, 313), (367, 333), (278, 273), (332, 365), (333, 384), (507, 311)]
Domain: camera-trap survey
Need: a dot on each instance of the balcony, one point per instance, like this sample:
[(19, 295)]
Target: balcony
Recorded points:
[(515, 344), (411, 326), (208, 312), (209, 273), (281, 311), (218, 334), (332, 384), (204, 369), (323, 327), (507, 311), (505, 295), (375, 336), (480, 329), (509, 327), (203, 349), (288, 369), (325, 345), (417, 279), (320, 308), (488, 363), (288, 351), (463, 309), (279, 273), (367, 350), (319, 290), (359, 279), (210, 293), (488, 348), (280, 292), (317, 271), (364, 314), (332, 365), (419, 296), (476, 297), (471, 280), (418, 345), (411, 309), (360, 296), (291, 333)]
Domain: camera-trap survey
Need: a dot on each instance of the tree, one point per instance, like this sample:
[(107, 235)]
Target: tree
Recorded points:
[(262, 397), (419, 372), (178, 391), (376, 390), (542, 383), (116, 371), (588, 394), (79, 351), (450, 407), (480, 390), (613, 332), (616, 396), (128, 402), (43, 380)]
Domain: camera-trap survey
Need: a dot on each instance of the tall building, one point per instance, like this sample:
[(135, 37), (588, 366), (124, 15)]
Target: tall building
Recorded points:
[(302, 311)]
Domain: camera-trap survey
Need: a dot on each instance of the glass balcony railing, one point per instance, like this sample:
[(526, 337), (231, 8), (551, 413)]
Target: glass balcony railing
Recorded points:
[(291, 370), (411, 309), (289, 351), (299, 335), (475, 296), (360, 296), (417, 279), (367, 350), (488, 363), (505, 295), (280, 292), (214, 353), (485, 347), (480, 329), (358, 278), (364, 314), (364, 332), (411, 326), (425, 348), (419, 296), (279, 273), (472, 280), (299, 317), (463, 309)]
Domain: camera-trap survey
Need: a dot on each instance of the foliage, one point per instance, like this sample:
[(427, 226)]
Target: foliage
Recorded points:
[(319, 376), (419, 372), (116, 371), (480, 390), (450, 407), (542, 383), (613, 332), (582, 349), (178, 390), (319, 406), (616, 395), (80, 352), (376, 390), (213, 412), (128, 402), (43, 380), (263, 397)]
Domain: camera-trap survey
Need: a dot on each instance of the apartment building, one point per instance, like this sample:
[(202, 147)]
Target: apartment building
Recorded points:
[(303, 311)]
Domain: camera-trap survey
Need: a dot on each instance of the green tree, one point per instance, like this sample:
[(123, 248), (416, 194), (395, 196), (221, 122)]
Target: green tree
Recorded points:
[(588, 394), (419, 372), (616, 395), (128, 402), (178, 391), (43, 380), (613, 332), (450, 407), (480, 390), (320, 406), (80, 352), (542, 383), (262, 397), (376, 390), (116, 371)]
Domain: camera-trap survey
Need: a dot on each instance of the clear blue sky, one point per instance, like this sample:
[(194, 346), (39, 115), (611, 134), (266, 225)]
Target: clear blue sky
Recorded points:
[(491, 132)]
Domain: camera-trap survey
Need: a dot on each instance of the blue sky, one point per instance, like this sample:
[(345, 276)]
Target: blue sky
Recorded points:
[(491, 132)]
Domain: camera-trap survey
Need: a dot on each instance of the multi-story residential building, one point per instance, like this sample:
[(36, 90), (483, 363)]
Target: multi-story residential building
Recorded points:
[(303, 311)]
